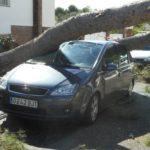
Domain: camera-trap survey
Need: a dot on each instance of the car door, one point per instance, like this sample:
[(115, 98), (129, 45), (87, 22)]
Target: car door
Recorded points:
[(110, 64), (124, 68)]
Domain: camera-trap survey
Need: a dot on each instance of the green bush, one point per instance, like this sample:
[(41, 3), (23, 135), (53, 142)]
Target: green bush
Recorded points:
[(11, 141), (7, 43), (147, 142), (137, 71), (147, 89), (146, 74), (142, 73)]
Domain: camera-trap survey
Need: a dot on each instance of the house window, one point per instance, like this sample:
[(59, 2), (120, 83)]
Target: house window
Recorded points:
[(5, 3)]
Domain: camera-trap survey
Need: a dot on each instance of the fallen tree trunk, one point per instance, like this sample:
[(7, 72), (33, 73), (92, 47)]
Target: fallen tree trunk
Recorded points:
[(136, 42), (75, 27)]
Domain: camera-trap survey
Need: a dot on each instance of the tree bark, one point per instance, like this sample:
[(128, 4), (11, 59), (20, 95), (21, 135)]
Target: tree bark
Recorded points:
[(75, 27), (136, 42)]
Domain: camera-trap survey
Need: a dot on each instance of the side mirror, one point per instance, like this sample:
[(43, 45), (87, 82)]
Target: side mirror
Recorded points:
[(111, 67)]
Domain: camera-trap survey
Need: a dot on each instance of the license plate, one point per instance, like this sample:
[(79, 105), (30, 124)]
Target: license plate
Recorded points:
[(23, 102)]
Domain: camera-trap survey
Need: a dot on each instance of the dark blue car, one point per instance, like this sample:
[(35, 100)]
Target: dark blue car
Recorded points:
[(82, 79)]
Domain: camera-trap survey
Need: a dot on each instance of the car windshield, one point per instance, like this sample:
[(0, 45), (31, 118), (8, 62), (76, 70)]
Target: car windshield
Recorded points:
[(77, 54)]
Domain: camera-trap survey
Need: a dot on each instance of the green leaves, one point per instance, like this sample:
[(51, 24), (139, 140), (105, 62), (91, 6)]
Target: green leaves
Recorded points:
[(7, 43), (63, 14), (11, 141)]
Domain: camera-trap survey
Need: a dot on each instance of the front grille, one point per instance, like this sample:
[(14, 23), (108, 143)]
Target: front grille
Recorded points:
[(27, 90)]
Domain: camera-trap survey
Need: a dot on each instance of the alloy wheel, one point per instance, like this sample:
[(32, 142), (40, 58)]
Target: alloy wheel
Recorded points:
[(94, 108)]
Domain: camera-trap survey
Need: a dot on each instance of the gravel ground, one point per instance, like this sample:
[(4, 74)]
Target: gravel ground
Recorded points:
[(124, 126)]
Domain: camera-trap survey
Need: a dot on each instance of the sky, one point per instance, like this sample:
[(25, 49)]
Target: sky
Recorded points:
[(94, 4)]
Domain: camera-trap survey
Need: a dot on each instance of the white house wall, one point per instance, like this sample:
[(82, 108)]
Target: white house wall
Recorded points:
[(48, 13), (20, 12)]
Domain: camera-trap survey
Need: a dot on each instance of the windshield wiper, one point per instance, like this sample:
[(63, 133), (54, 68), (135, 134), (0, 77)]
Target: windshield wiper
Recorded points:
[(71, 66), (66, 65)]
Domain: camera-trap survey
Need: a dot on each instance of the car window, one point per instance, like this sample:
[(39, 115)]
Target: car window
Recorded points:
[(123, 56), (116, 57), (78, 54), (111, 57)]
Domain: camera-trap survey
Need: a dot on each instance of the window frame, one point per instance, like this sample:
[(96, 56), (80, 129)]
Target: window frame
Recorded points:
[(110, 49), (122, 48), (5, 5)]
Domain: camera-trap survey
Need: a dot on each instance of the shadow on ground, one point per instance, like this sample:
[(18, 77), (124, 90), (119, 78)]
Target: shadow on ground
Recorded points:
[(119, 123)]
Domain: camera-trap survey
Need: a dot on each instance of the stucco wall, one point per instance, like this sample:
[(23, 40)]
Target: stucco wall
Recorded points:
[(20, 12), (48, 13)]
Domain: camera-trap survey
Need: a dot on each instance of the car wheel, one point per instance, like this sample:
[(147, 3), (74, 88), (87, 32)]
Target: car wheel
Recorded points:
[(92, 111)]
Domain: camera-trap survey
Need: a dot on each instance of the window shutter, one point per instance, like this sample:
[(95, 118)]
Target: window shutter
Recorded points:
[(4, 2)]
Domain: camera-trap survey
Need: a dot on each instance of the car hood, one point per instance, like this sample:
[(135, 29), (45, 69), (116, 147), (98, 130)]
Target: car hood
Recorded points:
[(45, 76)]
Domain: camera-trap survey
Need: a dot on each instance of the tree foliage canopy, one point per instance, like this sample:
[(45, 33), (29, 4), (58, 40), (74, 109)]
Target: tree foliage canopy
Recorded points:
[(72, 10), (59, 11)]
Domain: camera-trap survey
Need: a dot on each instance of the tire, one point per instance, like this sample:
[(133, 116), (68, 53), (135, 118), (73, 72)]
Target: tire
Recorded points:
[(92, 110)]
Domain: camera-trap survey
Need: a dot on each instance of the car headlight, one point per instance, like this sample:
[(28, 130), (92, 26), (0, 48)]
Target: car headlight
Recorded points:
[(65, 90), (3, 83)]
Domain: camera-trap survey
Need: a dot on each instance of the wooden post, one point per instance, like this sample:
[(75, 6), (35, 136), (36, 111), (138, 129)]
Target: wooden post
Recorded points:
[(37, 17)]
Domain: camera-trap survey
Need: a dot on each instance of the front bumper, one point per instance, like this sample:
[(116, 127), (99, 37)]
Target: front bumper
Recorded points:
[(49, 108)]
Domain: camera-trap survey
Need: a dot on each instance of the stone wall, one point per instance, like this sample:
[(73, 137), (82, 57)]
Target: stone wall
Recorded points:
[(22, 34)]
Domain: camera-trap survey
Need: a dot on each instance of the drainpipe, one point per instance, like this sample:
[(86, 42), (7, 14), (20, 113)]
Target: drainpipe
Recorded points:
[(37, 17)]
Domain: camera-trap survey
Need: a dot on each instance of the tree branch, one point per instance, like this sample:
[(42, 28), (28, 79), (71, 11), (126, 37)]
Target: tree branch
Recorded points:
[(75, 27)]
